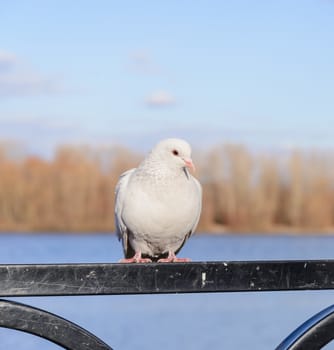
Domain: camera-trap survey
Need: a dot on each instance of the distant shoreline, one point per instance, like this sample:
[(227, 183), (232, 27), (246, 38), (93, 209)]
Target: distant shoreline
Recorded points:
[(243, 192), (279, 229), (216, 231)]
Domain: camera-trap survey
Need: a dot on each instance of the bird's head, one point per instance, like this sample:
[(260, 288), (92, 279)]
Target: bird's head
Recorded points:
[(175, 152)]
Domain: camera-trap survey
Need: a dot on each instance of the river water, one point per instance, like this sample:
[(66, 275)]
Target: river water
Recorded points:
[(233, 321)]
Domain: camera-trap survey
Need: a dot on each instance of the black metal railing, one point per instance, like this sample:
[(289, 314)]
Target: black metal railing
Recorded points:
[(154, 278)]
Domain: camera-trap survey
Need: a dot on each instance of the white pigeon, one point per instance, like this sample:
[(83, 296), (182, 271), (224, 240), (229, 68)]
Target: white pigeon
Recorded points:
[(158, 204)]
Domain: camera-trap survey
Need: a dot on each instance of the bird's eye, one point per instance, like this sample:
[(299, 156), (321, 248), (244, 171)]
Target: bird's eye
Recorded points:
[(175, 152)]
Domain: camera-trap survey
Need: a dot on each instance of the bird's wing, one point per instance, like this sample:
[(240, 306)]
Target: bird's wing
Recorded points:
[(199, 189), (121, 229), (196, 219)]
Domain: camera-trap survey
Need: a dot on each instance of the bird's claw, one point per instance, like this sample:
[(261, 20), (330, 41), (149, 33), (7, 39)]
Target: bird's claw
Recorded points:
[(172, 258), (137, 258), (167, 260), (133, 260)]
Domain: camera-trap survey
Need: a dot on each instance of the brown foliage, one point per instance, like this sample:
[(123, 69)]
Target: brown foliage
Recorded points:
[(241, 191)]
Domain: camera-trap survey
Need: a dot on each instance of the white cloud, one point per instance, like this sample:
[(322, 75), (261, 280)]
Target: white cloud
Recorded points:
[(37, 134), (46, 122), (7, 60), (142, 62), (16, 79), (160, 99), (21, 84)]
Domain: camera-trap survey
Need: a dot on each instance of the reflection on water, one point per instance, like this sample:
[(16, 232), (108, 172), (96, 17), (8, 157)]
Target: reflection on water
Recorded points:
[(231, 321)]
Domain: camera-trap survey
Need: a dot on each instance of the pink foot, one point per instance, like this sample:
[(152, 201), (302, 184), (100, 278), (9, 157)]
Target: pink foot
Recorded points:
[(136, 259), (172, 258)]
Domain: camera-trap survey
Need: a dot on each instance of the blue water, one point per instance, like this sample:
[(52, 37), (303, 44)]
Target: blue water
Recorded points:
[(233, 321)]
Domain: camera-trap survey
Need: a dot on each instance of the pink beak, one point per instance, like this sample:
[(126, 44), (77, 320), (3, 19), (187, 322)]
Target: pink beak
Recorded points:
[(189, 163)]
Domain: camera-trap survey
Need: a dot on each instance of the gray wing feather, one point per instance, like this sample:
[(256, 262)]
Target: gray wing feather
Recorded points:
[(199, 188), (121, 229)]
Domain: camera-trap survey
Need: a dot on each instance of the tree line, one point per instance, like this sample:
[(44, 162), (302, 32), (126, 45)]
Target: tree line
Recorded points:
[(243, 191)]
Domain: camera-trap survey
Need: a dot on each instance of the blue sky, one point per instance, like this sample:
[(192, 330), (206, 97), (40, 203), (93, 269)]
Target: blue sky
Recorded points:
[(259, 73)]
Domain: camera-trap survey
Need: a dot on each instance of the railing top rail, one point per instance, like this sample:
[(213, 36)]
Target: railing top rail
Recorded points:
[(154, 278)]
